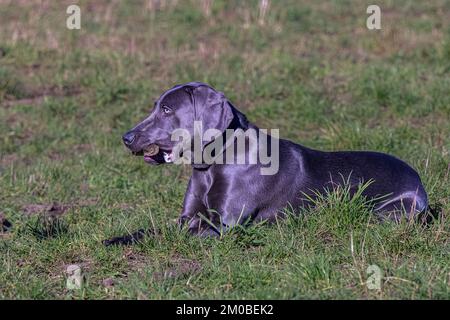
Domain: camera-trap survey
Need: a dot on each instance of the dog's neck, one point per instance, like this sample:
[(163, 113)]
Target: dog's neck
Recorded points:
[(239, 121)]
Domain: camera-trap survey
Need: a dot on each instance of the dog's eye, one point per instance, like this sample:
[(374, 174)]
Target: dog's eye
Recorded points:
[(166, 109)]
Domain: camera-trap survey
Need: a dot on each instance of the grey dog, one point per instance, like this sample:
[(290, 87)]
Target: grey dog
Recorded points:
[(221, 195)]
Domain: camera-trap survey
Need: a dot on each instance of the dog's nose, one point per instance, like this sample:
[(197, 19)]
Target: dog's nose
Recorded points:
[(128, 138)]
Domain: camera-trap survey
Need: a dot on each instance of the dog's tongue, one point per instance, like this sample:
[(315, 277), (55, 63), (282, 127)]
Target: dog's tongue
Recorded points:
[(151, 150)]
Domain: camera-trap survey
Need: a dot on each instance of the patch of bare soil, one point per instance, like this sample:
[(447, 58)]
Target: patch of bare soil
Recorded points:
[(37, 95), (56, 209), (108, 282), (136, 260), (8, 159), (178, 267)]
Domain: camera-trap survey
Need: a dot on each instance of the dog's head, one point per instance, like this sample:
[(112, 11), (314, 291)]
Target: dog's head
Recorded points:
[(178, 108)]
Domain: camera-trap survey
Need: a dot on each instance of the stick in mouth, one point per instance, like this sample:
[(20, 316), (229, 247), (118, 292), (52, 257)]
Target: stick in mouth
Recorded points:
[(151, 150)]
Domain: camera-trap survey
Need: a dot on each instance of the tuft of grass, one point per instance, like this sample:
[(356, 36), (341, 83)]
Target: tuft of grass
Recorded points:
[(10, 86), (45, 227)]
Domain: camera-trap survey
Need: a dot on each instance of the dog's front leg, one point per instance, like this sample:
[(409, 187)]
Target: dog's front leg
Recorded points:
[(197, 222), (195, 215)]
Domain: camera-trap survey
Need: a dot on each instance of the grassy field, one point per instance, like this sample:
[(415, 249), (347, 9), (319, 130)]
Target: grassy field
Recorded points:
[(310, 68)]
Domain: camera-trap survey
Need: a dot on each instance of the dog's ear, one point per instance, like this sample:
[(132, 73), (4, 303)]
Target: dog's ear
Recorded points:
[(211, 108)]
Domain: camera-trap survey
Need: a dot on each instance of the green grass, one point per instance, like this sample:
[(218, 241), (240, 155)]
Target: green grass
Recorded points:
[(312, 70)]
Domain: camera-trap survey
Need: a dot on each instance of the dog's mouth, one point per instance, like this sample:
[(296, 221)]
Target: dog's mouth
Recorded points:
[(153, 154)]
